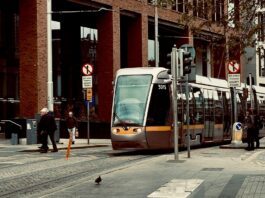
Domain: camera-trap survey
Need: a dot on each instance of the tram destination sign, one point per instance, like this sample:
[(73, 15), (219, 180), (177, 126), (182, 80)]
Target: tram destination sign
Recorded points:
[(233, 80)]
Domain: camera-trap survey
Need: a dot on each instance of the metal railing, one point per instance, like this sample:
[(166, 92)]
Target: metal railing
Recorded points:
[(10, 121)]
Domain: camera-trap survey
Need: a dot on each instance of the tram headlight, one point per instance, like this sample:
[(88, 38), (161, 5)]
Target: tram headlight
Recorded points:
[(115, 130), (137, 130)]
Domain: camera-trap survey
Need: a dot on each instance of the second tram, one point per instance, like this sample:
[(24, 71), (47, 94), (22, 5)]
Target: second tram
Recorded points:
[(142, 114)]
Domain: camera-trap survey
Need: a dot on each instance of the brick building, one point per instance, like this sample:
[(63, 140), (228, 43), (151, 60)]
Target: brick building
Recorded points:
[(109, 34)]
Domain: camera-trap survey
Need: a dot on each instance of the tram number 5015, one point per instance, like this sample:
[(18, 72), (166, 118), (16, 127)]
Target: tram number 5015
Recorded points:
[(162, 87)]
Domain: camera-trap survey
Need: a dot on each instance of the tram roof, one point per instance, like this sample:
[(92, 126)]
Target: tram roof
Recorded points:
[(141, 70), (211, 81)]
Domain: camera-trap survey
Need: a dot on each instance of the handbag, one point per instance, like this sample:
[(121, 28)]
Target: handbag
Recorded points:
[(76, 133)]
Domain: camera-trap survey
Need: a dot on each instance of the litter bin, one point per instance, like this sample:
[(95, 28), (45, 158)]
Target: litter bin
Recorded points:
[(31, 131), (14, 131)]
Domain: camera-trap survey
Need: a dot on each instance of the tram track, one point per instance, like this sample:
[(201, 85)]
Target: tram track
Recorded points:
[(41, 182)]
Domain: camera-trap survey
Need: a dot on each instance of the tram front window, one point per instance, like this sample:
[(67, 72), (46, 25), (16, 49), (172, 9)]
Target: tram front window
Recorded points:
[(130, 99)]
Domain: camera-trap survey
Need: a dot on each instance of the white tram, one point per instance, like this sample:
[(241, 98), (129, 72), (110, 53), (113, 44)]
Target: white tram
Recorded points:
[(142, 111)]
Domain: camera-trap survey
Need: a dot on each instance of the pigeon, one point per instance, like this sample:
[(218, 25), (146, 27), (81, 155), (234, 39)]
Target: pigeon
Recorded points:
[(98, 180)]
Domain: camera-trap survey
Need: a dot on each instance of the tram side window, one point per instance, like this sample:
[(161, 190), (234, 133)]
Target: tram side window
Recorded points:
[(159, 107), (218, 107), (241, 107), (208, 97), (198, 111)]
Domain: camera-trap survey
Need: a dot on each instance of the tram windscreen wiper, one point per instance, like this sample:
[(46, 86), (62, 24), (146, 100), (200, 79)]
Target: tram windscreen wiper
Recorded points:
[(124, 125)]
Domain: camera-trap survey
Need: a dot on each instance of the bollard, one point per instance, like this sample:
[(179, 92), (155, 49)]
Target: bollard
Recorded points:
[(237, 133)]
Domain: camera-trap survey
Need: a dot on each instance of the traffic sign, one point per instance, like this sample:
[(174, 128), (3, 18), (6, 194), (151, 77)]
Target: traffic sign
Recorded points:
[(87, 69), (233, 67), (234, 80), (87, 82), (89, 94)]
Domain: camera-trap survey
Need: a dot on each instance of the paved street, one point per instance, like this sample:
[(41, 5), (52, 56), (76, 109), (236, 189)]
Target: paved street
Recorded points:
[(210, 172)]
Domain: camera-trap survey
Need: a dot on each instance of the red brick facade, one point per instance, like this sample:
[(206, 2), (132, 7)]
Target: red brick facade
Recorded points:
[(33, 48), (33, 56)]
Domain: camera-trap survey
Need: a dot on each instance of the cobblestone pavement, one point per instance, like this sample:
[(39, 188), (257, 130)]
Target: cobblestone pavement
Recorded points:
[(216, 172)]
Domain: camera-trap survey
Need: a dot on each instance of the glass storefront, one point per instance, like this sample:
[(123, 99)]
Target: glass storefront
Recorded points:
[(9, 59)]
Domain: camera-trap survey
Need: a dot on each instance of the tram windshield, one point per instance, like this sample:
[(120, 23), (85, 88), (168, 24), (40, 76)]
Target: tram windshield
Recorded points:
[(130, 99)]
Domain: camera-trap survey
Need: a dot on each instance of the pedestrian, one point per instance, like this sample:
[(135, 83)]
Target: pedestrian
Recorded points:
[(249, 126), (257, 126), (71, 123), (47, 127)]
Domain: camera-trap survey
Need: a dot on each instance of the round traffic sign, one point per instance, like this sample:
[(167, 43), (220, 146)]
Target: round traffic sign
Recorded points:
[(238, 126), (233, 67), (87, 69)]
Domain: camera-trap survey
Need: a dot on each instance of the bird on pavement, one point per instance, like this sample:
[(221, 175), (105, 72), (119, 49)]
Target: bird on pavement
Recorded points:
[(98, 180)]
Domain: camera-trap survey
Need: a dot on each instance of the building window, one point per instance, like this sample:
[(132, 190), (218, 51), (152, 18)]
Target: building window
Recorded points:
[(218, 10), (261, 23), (261, 61), (261, 3), (200, 9), (9, 59)]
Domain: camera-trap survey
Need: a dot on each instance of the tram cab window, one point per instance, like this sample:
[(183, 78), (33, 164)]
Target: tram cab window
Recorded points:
[(159, 108)]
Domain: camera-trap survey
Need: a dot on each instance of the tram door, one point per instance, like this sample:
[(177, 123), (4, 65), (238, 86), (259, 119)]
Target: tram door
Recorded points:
[(158, 128), (209, 115)]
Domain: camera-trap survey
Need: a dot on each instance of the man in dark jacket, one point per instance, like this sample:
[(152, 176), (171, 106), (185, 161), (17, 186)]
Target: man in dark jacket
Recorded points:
[(249, 125), (257, 126), (47, 126)]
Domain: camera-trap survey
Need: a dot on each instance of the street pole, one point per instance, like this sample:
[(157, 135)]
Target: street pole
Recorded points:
[(174, 68), (187, 113), (88, 129), (49, 57), (250, 91), (235, 104), (156, 36)]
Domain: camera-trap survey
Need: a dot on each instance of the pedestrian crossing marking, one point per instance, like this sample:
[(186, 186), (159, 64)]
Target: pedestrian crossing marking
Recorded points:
[(177, 188)]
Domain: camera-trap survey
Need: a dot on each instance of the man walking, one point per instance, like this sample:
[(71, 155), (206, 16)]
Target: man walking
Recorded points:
[(71, 123), (47, 127)]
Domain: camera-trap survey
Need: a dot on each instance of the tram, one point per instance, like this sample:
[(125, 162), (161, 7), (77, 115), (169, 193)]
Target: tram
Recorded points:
[(142, 113)]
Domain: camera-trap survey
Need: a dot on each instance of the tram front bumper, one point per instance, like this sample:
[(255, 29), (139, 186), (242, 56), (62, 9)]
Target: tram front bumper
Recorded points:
[(130, 138)]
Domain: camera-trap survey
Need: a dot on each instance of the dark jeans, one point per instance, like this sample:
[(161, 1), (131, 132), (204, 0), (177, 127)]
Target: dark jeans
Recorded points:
[(250, 138), (257, 137), (44, 140)]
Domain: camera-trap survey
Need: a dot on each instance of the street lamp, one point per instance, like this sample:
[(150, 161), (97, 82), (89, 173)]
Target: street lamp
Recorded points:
[(156, 36), (49, 57)]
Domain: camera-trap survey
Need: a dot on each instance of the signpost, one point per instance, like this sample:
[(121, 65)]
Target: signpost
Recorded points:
[(87, 69), (233, 78), (87, 84)]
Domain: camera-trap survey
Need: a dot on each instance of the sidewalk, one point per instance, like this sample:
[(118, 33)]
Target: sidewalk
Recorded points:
[(62, 144)]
